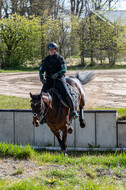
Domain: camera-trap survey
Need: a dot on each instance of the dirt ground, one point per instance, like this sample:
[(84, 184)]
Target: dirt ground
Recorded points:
[(107, 89)]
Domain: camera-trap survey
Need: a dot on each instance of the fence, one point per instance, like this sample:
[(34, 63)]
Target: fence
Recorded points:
[(102, 130)]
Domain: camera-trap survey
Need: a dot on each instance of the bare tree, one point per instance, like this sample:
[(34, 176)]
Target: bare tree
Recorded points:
[(77, 7), (1, 5)]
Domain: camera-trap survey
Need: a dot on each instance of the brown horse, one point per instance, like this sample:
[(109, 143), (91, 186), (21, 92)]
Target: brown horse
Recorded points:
[(57, 115)]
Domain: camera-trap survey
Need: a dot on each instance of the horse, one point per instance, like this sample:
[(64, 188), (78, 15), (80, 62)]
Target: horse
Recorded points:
[(56, 113)]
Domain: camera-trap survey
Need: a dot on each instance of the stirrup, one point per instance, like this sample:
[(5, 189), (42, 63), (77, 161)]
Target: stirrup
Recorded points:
[(42, 121)]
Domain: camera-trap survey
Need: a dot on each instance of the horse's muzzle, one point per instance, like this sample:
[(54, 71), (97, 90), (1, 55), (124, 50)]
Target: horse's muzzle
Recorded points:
[(35, 123), (36, 120)]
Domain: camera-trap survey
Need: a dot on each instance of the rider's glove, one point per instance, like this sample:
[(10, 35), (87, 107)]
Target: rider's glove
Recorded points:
[(43, 81), (54, 76)]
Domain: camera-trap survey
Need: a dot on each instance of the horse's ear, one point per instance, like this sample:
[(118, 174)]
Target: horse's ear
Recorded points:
[(31, 95)]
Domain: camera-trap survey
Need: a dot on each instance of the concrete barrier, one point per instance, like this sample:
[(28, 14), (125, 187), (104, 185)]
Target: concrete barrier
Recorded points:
[(101, 130), (121, 131), (106, 129), (7, 126)]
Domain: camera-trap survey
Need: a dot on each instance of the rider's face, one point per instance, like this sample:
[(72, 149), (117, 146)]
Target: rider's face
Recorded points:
[(52, 51)]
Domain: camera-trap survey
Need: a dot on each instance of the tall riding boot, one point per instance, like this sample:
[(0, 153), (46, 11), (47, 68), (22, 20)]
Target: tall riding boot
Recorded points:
[(73, 113)]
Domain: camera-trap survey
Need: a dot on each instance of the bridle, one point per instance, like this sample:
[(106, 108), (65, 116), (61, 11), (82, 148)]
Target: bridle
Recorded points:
[(35, 104), (36, 115)]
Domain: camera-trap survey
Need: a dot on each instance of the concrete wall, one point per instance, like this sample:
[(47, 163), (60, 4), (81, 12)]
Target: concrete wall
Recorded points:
[(101, 130), (121, 130)]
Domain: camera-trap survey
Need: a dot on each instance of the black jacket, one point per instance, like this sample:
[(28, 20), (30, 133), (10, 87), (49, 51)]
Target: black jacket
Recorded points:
[(51, 65)]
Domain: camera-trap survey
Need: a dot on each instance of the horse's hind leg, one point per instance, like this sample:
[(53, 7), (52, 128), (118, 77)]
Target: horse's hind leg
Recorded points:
[(64, 137), (81, 117)]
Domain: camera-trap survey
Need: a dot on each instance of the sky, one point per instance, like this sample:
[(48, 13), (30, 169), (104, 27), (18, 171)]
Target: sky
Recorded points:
[(120, 5)]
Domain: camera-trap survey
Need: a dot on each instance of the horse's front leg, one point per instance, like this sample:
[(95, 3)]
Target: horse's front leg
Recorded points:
[(57, 134), (81, 118)]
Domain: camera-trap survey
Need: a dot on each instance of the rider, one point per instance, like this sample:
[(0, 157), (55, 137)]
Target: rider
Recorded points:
[(54, 67)]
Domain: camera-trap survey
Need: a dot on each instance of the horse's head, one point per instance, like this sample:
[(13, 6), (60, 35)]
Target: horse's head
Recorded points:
[(36, 105)]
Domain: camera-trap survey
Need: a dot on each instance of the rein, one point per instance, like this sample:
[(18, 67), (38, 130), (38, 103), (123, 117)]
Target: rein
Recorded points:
[(59, 111), (48, 106)]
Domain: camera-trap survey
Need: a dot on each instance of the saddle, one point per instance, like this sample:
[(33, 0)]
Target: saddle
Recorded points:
[(72, 91)]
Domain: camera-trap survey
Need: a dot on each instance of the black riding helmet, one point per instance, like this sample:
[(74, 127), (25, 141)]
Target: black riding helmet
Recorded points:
[(52, 45)]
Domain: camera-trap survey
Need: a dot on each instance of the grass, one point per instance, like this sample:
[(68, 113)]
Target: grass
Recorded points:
[(19, 171), (121, 112), (89, 171), (19, 69), (12, 102), (72, 64), (96, 66), (14, 151)]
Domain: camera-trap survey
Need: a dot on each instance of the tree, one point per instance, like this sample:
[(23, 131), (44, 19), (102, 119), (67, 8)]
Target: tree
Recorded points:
[(19, 40)]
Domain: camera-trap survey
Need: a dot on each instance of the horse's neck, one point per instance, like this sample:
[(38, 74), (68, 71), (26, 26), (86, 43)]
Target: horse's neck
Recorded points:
[(46, 98), (50, 104)]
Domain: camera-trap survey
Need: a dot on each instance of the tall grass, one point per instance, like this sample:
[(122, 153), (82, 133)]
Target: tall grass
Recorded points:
[(17, 152)]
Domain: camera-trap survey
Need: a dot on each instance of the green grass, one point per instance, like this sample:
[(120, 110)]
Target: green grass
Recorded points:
[(77, 66), (18, 171), (14, 151), (96, 66), (89, 170), (12, 102), (121, 112), (19, 69)]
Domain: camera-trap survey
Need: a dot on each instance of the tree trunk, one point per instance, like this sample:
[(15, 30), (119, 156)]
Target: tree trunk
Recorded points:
[(92, 60), (82, 59)]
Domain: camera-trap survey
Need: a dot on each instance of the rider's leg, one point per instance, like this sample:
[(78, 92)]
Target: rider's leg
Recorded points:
[(62, 87), (73, 113)]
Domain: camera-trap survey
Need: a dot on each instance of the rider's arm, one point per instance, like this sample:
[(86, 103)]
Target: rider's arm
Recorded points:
[(63, 66), (41, 72)]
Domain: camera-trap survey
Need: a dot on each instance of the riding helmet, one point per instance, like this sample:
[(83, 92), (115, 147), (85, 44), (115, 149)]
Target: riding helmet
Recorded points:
[(52, 45)]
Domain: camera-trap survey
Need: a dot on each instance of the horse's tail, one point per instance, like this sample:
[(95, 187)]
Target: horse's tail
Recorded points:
[(84, 77)]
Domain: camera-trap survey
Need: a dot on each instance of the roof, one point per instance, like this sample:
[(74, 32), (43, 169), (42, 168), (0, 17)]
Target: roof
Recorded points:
[(113, 16)]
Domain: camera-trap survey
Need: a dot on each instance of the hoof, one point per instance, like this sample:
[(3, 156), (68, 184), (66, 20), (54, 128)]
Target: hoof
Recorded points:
[(70, 130), (83, 123)]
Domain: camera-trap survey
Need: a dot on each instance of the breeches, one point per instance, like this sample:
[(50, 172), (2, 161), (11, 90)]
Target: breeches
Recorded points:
[(59, 84)]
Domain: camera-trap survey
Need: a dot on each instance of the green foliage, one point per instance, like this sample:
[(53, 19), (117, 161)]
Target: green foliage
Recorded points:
[(98, 39), (17, 152), (19, 40)]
